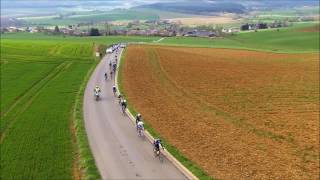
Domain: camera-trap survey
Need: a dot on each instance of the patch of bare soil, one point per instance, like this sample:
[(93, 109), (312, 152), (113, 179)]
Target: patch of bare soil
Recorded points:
[(237, 114)]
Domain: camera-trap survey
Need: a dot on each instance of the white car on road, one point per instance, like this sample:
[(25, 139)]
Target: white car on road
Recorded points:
[(109, 50)]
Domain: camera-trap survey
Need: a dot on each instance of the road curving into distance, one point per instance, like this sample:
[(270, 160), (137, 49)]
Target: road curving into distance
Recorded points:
[(118, 152)]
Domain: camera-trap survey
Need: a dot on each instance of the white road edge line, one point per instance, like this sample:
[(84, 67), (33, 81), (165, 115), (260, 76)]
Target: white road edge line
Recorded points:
[(169, 156)]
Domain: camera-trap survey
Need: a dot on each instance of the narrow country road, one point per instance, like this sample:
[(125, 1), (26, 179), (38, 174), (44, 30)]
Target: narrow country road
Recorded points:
[(118, 152)]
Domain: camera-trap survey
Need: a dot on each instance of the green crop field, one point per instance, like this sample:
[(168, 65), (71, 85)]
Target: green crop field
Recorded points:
[(40, 79), (113, 15), (284, 14), (285, 40)]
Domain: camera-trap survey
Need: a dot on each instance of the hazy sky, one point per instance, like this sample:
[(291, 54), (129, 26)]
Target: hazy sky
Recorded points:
[(55, 3), (25, 7), (20, 7)]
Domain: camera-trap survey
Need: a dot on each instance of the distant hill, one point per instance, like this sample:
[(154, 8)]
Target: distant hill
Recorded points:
[(7, 22), (277, 4), (198, 7), (211, 7)]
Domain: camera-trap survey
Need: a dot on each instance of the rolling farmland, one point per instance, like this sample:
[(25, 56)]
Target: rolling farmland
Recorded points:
[(98, 16), (40, 79), (235, 113), (287, 40)]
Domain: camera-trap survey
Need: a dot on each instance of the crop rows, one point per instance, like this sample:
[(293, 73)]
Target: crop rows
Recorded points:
[(236, 114), (39, 81)]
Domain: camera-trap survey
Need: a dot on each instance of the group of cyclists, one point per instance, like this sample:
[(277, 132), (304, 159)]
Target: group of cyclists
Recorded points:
[(157, 146), (113, 68)]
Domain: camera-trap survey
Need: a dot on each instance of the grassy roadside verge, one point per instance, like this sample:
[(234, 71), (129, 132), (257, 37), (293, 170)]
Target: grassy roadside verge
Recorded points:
[(196, 170), (86, 163)]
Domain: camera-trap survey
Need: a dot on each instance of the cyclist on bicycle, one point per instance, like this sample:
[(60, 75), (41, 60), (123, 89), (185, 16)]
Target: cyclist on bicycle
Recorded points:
[(110, 64), (157, 145), (114, 89), (138, 118), (140, 128), (124, 105), (120, 98), (111, 74)]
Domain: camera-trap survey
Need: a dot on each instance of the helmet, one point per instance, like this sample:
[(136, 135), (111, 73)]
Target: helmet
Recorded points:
[(139, 115), (124, 101)]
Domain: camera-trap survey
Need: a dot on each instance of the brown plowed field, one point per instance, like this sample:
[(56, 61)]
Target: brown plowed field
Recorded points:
[(237, 114)]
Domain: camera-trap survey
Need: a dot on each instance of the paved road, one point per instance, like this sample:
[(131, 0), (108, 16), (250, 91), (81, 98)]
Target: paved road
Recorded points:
[(118, 151)]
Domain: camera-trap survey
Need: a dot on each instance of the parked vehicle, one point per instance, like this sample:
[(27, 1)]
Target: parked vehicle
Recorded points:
[(109, 50)]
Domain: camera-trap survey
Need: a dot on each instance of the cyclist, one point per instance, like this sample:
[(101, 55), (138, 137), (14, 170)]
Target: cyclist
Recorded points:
[(124, 105), (111, 74), (120, 98), (96, 92), (156, 146), (114, 89), (138, 118), (110, 64), (140, 128), (97, 89), (105, 75), (114, 67)]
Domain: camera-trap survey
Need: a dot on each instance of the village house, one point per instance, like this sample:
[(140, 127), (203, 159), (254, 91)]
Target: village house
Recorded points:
[(231, 30), (246, 27), (199, 33)]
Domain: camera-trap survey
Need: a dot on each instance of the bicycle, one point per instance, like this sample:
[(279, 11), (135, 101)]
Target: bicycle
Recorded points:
[(158, 154), (114, 90), (123, 107), (140, 131)]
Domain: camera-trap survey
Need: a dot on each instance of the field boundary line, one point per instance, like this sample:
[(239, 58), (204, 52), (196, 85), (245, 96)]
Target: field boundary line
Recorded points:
[(166, 153)]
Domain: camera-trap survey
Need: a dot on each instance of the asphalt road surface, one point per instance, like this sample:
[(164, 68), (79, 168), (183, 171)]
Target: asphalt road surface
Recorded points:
[(118, 151)]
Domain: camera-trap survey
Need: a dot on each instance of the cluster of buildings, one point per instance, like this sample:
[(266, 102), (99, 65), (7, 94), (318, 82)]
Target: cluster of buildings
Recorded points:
[(161, 28), (64, 31), (256, 26)]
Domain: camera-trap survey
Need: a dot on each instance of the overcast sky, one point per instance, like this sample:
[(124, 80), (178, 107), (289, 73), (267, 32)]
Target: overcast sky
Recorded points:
[(55, 3), (24, 7), (20, 7)]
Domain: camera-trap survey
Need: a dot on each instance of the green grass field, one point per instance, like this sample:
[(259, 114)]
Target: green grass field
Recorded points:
[(41, 79), (284, 14), (113, 15), (288, 40)]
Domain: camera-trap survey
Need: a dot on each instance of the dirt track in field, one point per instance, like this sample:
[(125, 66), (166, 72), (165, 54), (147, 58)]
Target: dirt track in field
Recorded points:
[(237, 114)]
